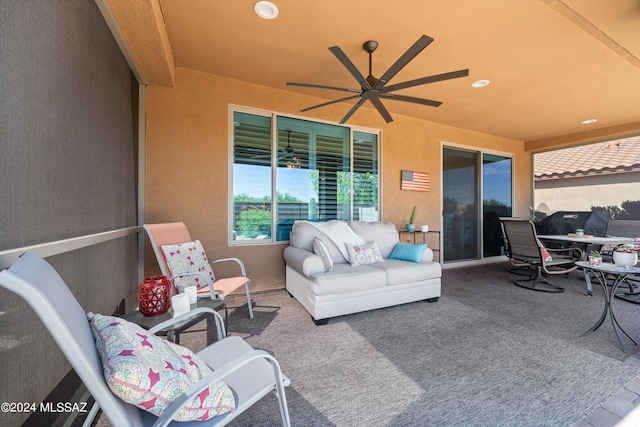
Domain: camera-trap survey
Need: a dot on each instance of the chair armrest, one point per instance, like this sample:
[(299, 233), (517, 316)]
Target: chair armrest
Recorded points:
[(236, 260), (576, 256), (218, 375), (303, 261), (206, 277), (187, 316)]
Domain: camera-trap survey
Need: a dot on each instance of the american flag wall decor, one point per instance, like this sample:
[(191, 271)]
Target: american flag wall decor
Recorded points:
[(415, 181)]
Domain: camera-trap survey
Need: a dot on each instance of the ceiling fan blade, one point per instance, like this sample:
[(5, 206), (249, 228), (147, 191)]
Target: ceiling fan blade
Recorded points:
[(381, 109), (413, 99), (411, 53), (324, 104), (338, 53), (424, 80), (323, 87), (352, 110)]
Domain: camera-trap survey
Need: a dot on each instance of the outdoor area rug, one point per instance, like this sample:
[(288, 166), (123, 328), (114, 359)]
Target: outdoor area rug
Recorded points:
[(487, 353)]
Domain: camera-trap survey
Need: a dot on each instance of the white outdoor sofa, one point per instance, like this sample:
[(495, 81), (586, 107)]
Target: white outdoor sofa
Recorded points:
[(346, 288)]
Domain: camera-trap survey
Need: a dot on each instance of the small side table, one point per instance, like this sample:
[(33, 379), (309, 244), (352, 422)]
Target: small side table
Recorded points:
[(173, 334), (601, 271)]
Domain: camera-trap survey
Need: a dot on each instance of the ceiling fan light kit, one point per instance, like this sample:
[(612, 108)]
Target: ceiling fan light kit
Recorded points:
[(374, 89)]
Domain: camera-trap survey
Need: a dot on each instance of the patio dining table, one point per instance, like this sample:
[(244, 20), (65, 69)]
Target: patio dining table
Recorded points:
[(584, 242)]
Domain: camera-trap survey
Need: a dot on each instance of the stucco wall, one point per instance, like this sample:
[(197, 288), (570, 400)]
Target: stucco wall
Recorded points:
[(580, 194), (187, 162)]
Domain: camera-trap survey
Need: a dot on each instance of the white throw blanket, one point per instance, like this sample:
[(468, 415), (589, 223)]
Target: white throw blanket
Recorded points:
[(339, 233)]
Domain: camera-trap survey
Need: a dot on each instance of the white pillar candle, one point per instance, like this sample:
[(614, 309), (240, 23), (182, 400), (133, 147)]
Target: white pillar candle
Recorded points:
[(192, 293), (180, 304)]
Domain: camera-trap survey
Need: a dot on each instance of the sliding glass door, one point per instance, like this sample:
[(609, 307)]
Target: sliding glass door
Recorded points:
[(471, 230), (460, 204), (497, 192)]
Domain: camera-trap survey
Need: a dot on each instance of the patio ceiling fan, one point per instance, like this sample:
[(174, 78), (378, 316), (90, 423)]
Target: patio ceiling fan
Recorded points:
[(373, 89)]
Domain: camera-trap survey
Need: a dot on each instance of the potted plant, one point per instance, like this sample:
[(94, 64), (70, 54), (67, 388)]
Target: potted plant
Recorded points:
[(595, 257), (411, 226), (625, 255)]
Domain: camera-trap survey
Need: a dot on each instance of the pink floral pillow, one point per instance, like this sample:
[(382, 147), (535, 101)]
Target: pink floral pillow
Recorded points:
[(188, 257), (149, 372)]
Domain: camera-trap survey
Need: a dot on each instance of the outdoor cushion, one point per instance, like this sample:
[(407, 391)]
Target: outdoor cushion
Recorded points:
[(408, 252), (303, 234), (545, 253), (364, 254), (346, 279), (149, 372), (384, 234), (400, 272), (188, 257)]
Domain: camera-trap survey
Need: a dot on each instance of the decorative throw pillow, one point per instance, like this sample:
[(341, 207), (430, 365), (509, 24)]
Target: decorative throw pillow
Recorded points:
[(321, 249), (545, 253), (149, 372), (185, 258), (364, 254), (408, 252)]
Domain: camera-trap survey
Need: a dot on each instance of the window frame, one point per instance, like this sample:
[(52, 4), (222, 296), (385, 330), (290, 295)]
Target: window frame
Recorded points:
[(273, 115)]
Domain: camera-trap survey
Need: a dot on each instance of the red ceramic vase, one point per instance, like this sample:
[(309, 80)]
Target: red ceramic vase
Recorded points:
[(154, 296)]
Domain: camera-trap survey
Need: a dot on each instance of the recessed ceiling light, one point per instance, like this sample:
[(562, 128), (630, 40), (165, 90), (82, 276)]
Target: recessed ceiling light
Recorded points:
[(588, 121), (480, 83), (266, 9)]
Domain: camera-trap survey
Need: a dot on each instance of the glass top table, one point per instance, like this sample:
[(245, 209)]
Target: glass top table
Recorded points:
[(173, 333), (617, 273)]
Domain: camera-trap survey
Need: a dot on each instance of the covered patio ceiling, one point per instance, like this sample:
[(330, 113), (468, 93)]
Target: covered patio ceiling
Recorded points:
[(551, 63)]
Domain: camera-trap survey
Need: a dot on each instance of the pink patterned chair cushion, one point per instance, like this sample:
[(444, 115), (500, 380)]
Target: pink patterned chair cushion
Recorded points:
[(188, 257), (149, 372)]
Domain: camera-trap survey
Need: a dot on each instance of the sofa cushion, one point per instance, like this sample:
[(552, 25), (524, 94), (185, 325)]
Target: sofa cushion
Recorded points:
[(303, 234), (400, 272), (345, 279), (384, 234), (408, 252), (364, 254)]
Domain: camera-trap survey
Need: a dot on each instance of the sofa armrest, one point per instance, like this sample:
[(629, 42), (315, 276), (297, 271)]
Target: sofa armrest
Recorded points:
[(427, 256), (303, 261)]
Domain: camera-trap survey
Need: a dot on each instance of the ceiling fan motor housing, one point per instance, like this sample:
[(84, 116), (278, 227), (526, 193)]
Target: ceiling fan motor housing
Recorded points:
[(370, 46)]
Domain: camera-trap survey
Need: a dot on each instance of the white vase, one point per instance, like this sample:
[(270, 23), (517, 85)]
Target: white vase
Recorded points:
[(625, 259)]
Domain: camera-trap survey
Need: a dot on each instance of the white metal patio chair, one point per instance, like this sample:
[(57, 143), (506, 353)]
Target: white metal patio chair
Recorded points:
[(250, 373)]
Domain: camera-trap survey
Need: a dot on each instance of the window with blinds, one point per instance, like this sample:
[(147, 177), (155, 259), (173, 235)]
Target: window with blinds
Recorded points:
[(252, 189), (322, 172)]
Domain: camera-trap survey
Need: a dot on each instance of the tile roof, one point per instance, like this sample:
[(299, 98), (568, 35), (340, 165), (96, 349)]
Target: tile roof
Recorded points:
[(617, 156)]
